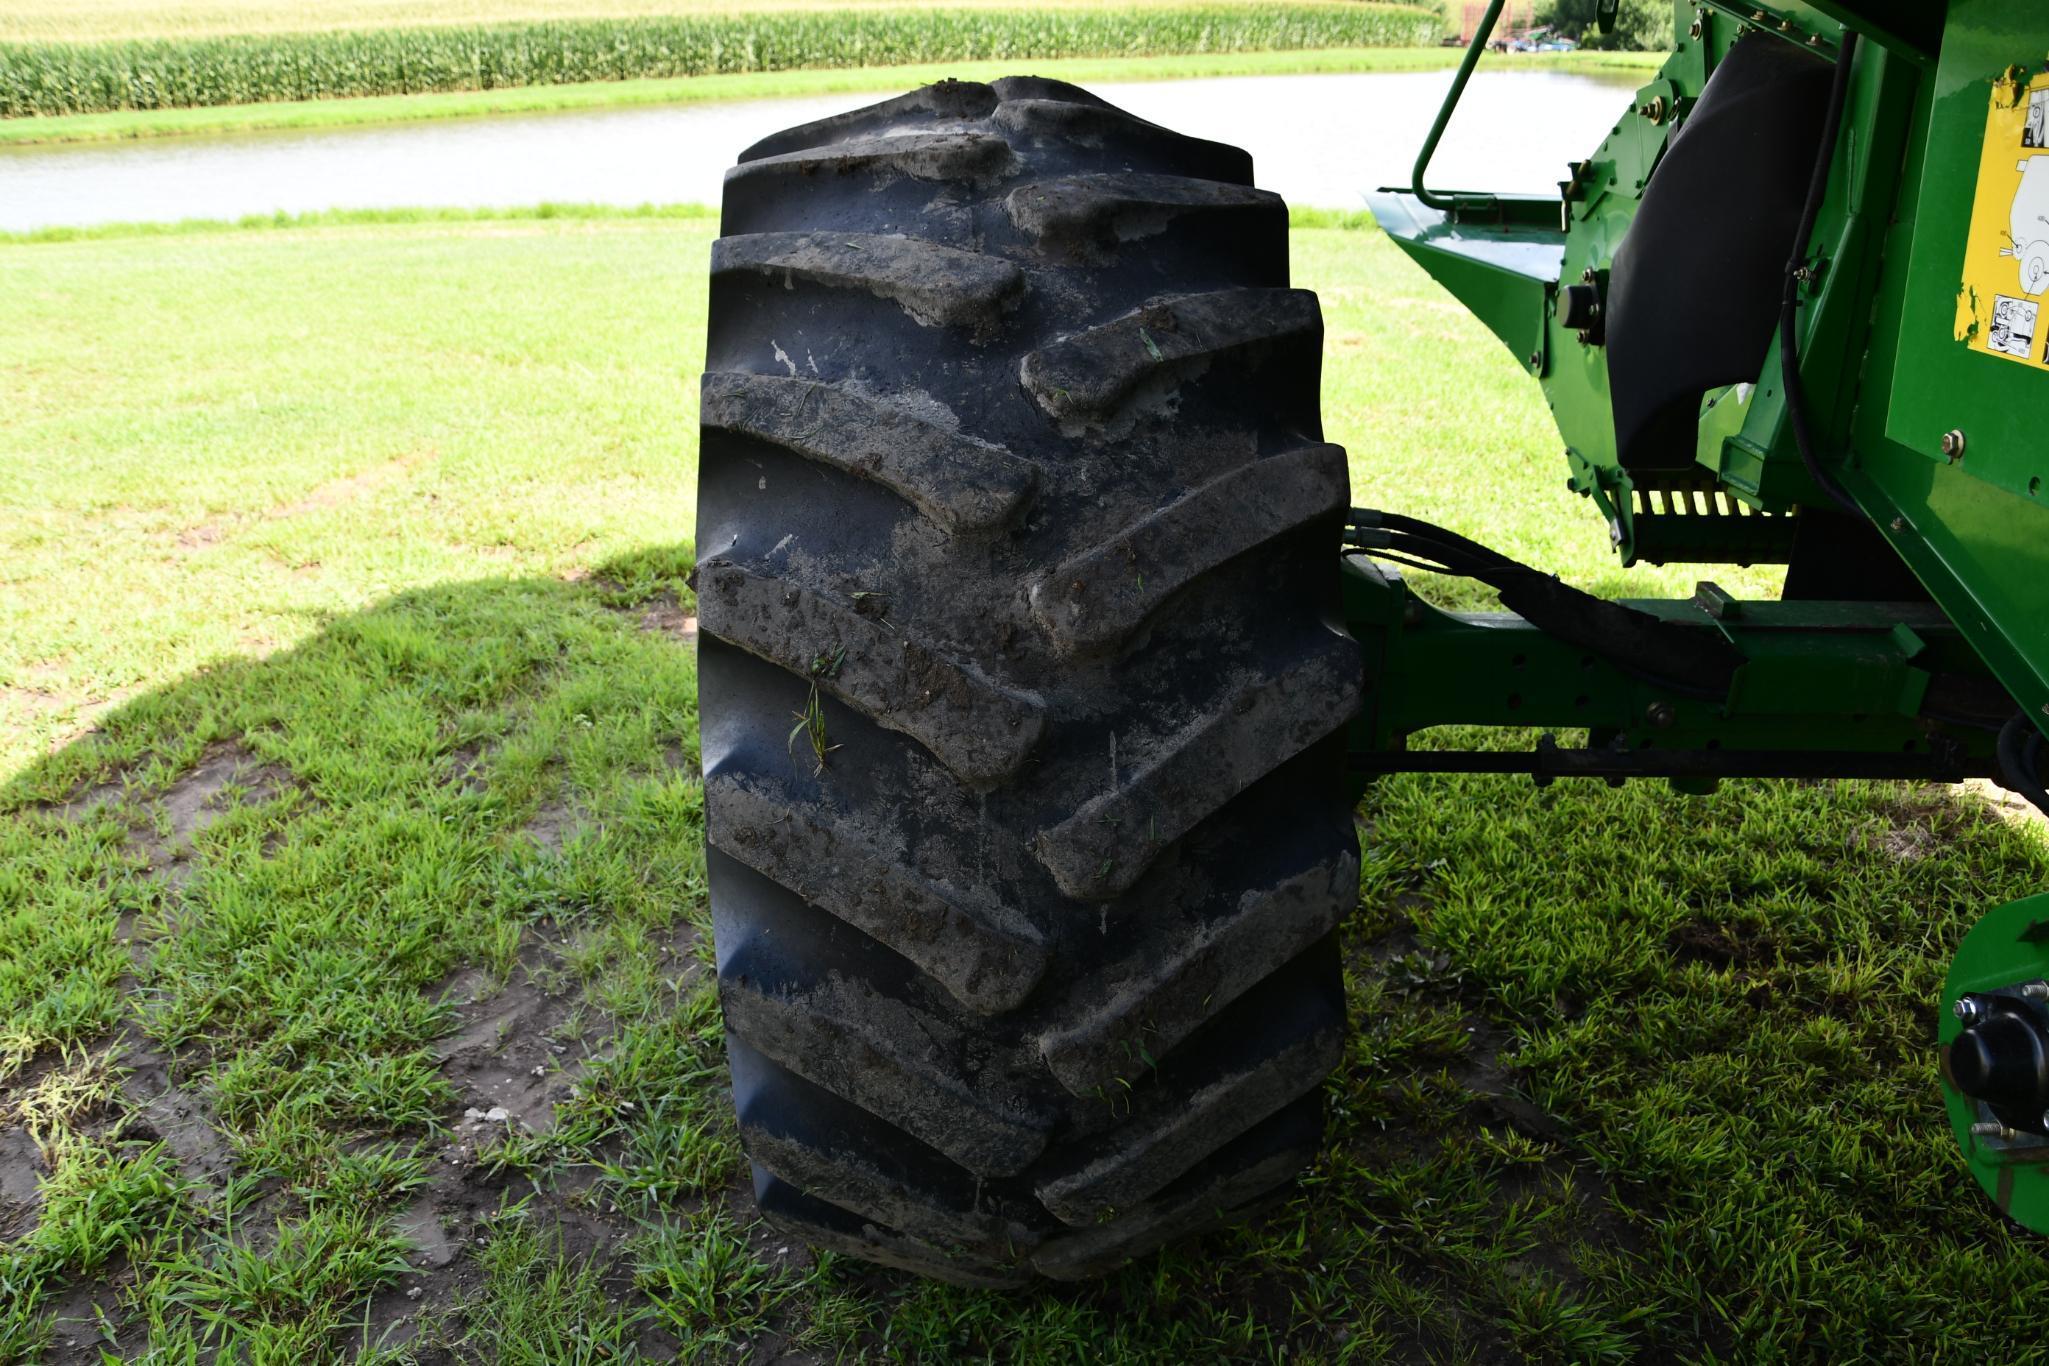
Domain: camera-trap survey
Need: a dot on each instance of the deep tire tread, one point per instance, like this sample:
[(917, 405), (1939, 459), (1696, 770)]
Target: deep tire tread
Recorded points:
[(1014, 484)]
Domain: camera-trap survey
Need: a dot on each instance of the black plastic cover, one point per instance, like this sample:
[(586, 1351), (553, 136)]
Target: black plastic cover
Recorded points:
[(1694, 291)]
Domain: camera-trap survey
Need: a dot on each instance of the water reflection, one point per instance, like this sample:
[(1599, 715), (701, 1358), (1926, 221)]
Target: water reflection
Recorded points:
[(1319, 140)]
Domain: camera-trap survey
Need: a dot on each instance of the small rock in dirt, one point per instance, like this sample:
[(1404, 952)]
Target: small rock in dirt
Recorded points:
[(415, 1293), (497, 1114)]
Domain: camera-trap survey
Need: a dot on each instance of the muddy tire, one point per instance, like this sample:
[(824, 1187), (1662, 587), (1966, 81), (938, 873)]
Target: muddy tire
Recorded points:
[(1021, 702)]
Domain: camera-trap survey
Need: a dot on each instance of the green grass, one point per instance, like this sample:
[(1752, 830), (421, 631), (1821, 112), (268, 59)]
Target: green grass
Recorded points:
[(312, 114), (374, 533), (39, 79)]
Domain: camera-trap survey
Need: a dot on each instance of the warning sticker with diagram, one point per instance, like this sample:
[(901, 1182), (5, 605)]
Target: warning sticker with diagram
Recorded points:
[(2006, 256)]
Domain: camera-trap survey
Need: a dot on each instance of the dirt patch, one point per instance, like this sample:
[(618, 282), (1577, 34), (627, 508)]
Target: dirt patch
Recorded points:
[(79, 1320), (21, 1168), (555, 824), (1492, 1083), (196, 801), (335, 492), (81, 802), (436, 1237), (466, 767), (665, 615), (504, 1056), (164, 1112), (1904, 844), (201, 536), (2007, 806), (1718, 946), (1919, 825), (36, 702)]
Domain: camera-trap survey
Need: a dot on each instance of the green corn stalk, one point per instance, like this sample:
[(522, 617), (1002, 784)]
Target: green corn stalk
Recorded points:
[(168, 73)]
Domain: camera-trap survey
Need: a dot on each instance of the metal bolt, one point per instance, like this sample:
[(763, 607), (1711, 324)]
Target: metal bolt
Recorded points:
[(1699, 24), (1992, 1129), (1536, 359), (1899, 524), (1970, 1010), (1953, 443), (1589, 276), (1814, 40), (2035, 991), (1659, 714)]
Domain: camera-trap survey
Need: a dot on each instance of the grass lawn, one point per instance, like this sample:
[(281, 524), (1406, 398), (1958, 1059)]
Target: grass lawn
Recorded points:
[(887, 80), (353, 968)]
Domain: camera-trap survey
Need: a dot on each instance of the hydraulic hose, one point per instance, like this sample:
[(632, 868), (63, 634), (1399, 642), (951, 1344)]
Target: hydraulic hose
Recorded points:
[(2020, 756), (1796, 270)]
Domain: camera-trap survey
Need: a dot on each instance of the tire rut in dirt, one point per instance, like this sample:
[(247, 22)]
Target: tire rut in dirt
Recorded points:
[(1021, 713)]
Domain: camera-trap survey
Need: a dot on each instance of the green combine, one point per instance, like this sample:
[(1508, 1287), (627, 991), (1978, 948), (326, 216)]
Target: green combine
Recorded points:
[(1015, 501)]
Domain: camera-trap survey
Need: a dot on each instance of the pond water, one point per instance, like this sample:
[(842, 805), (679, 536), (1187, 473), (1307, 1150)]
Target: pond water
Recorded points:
[(1318, 140)]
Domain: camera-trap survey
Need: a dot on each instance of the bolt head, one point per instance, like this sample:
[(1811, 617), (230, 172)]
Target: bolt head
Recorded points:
[(1953, 443)]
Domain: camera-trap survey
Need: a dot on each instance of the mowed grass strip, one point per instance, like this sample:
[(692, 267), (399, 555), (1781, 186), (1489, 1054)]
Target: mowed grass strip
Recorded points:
[(168, 73), (403, 796)]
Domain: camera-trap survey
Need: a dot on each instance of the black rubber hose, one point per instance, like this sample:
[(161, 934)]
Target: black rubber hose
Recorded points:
[(1672, 657), (1789, 307), (2020, 754)]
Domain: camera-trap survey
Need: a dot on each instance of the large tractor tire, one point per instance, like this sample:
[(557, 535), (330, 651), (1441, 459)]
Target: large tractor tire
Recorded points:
[(1022, 698)]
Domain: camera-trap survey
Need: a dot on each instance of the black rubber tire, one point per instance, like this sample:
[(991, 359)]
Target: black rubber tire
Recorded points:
[(1013, 479)]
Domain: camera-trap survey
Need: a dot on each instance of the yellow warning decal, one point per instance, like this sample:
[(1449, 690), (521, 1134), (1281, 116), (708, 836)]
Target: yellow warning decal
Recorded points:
[(2000, 304)]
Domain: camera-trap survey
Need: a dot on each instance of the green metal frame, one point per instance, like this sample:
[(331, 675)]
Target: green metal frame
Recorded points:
[(1938, 443), (1883, 385), (1840, 686)]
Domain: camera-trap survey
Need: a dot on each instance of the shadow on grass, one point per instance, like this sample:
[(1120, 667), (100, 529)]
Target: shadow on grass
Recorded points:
[(378, 967)]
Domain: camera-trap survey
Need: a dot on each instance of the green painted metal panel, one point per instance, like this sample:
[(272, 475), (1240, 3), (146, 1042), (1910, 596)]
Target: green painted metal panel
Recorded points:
[(1974, 529), (1943, 383)]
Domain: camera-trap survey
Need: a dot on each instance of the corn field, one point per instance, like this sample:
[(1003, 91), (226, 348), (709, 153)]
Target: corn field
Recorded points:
[(80, 78)]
